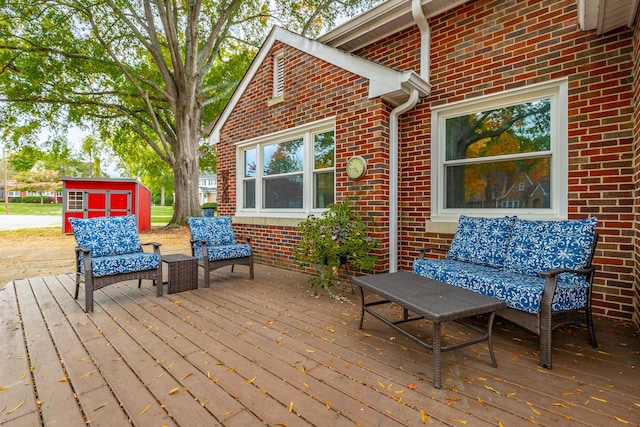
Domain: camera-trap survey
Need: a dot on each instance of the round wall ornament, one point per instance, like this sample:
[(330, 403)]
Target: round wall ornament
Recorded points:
[(356, 167)]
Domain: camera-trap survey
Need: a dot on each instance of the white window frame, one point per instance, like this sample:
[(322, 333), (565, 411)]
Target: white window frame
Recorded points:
[(557, 92), (74, 199), (307, 132)]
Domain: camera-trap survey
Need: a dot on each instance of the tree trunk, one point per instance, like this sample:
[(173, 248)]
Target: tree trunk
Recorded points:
[(162, 196), (186, 171)]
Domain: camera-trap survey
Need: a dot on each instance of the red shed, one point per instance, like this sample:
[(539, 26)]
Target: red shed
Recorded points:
[(92, 197)]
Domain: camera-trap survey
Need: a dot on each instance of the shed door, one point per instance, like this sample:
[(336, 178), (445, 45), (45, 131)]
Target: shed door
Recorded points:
[(107, 203)]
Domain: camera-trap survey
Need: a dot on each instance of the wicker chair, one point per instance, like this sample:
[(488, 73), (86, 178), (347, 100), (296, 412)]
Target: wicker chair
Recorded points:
[(213, 243), (109, 251)]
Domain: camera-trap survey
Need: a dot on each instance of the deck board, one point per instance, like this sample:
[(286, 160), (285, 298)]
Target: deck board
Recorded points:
[(267, 352)]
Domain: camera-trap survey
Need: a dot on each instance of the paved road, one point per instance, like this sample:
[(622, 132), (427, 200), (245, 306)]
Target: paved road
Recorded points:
[(14, 222)]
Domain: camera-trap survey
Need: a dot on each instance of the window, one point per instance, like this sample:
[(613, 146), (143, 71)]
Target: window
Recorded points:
[(75, 200), (503, 154), (291, 172)]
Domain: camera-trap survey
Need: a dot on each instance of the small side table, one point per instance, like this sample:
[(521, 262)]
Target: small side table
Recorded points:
[(182, 272)]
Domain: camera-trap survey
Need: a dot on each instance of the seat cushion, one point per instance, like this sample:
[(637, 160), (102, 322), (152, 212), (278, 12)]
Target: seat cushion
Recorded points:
[(125, 263), (481, 240), (215, 230), (220, 252), (537, 246), (518, 291), (105, 236)]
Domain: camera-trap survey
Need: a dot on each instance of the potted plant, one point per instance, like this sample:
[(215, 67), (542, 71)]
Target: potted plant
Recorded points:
[(328, 242)]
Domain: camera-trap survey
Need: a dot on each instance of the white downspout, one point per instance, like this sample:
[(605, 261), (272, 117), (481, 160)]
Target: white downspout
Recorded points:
[(393, 176), (425, 69)]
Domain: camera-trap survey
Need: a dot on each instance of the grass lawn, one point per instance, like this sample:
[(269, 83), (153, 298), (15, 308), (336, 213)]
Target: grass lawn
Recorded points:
[(159, 214), (33, 209)]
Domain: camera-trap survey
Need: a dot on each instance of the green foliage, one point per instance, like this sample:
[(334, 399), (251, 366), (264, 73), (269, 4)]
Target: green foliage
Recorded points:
[(32, 199), (337, 237), (213, 205), (141, 72)]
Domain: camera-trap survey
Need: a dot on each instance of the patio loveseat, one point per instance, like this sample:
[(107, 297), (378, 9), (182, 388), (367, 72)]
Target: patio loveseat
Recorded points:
[(541, 269), (109, 251)]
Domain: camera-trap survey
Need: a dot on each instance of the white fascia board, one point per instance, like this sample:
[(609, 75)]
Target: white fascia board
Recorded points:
[(588, 14), (382, 80)]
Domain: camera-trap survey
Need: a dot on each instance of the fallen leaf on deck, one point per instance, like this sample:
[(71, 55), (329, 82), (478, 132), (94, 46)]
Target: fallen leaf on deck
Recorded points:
[(622, 421), (598, 399), (412, 386), (63, 380), (251, 380), (174, 390), (424, 417), (146, 408), (492, 389), (291, 406), (15, 408), (533, 409), (100, 406)]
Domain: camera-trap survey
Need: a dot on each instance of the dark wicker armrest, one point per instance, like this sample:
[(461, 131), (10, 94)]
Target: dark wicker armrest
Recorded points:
[(86, 258), (427, 249), (156, 246), (552, 281), (555, 272)]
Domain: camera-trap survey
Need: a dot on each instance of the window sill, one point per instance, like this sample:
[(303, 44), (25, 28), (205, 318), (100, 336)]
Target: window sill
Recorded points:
[(276, 100), (267, 221)]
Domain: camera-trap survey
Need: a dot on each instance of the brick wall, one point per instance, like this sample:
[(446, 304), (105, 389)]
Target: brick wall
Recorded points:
[(482, 47), (313, 90), (636, 155), (490, 46)]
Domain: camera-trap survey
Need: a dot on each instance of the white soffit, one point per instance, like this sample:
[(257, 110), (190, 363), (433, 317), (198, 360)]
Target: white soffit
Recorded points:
[(382, 21), (606, 15)]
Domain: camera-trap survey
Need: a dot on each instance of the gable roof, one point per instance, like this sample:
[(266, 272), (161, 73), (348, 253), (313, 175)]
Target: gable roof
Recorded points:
[(392, 85)]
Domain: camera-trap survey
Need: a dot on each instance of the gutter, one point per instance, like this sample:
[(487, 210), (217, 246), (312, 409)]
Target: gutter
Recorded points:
[(425, 72)]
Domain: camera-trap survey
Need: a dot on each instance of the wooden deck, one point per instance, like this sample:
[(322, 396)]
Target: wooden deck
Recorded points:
[(266, 352)]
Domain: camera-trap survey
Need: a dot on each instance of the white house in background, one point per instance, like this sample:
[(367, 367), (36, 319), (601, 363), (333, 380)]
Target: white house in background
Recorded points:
[(208, 188)]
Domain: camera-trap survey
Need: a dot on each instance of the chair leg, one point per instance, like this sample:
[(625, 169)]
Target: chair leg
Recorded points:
[(140, 283), (592, 333), (88, 293), (77, 285), (206, 274)]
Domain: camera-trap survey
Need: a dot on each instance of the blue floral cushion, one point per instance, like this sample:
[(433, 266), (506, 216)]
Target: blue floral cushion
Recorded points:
[(106, 236), (220, 252), (516, 290), (125, 263), (481, 240), (215, 230), (537, 246)]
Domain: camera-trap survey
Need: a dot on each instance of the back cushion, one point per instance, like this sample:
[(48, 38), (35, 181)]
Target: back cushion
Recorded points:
[(537, 246), (481, 240), (110, 235), (215, 230)]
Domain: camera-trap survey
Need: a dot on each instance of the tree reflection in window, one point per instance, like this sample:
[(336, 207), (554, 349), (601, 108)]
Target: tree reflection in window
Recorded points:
[(491, 153), (283, 182)]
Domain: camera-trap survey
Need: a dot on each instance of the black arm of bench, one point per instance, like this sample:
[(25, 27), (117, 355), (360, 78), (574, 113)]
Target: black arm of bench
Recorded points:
[(443, 249)]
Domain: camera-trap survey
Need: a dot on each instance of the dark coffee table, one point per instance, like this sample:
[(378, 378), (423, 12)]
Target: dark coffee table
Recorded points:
[(182, 272), (432, 300)]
